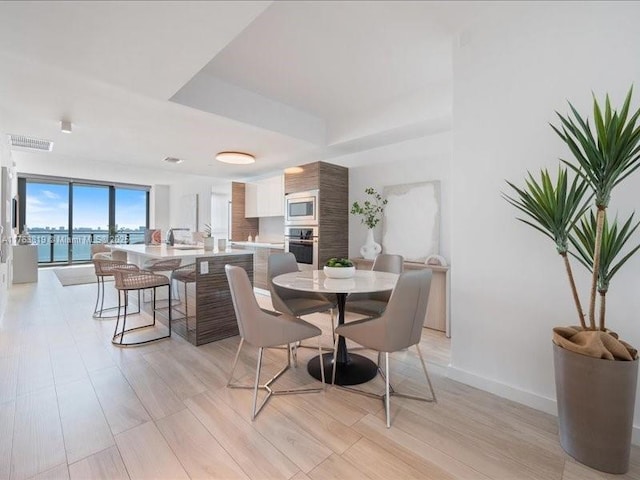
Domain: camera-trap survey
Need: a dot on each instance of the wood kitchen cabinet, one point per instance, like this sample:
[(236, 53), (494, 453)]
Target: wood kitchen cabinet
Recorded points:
[(260, 258), (332, 183), (265, 198), (437, 309)]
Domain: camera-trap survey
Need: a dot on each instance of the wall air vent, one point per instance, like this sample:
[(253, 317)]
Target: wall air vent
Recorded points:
[(30, 143), (173, 160)]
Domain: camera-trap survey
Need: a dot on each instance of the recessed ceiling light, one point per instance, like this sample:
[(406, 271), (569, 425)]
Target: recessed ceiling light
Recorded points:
[(173, 160), (237, 158), (65, 126)]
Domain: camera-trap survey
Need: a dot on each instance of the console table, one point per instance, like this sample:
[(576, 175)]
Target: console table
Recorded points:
[(438, 309)]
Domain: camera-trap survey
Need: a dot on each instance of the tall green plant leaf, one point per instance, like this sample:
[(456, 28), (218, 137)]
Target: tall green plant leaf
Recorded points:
[(614, 239), (552, 209), (609, 156)]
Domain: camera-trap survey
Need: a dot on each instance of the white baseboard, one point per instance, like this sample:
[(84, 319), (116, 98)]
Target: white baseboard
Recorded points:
[(530, 399)]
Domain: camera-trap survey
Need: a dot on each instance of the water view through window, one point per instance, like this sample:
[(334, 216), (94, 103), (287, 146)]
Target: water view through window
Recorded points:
[(64, 219)]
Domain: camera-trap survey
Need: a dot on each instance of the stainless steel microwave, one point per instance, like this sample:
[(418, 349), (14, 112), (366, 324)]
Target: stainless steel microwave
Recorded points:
[(301, 208)]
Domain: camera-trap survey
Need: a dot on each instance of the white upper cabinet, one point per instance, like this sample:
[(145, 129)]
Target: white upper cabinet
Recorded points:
[(251, 200), (265, 198)]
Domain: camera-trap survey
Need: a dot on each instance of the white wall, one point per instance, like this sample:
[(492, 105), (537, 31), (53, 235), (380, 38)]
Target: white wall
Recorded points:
[(508, 284), (202, 188), (160, 207), (406, 162)]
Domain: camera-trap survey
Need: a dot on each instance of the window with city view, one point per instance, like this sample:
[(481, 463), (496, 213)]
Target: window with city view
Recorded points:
[(64, 218)]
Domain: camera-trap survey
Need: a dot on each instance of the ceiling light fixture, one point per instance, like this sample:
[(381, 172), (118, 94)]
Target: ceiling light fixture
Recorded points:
[(294, 170), (237, 158), (173, 160), (65, 126)]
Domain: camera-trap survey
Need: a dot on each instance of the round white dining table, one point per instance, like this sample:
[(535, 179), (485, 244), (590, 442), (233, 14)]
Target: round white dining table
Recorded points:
[(351, 368)]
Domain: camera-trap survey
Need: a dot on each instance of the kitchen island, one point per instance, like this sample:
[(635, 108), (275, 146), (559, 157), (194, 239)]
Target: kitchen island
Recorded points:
[(211, 314), (261, 252)]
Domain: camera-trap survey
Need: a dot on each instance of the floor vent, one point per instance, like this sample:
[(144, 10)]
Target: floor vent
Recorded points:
[(30, 143)]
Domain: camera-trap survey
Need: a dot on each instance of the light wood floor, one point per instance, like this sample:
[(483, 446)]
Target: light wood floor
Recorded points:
[(74, 406)]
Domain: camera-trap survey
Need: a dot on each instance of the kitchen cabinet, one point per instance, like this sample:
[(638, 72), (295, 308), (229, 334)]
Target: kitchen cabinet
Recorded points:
[(241, 225), (261, 254), (25, 263), (332, 183), (305, 177), (265, 198)]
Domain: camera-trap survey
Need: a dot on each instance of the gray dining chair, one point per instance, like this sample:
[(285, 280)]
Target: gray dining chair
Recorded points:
[(399, 327), (294, 302), (374, 303), (265, 330)]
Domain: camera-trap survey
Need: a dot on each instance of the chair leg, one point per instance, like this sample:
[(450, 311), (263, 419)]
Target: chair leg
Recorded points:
[(293, 350), (235, 362), (169, 321), (333, 324), (115, 331), (124, 318), (426, 374), (333, 370), (387, 396), (255, 385), (95, 310), (154, 306), (324, 384), (186, 306)]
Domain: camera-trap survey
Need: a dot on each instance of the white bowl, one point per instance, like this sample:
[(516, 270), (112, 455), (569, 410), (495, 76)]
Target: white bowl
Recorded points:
[(339, 272)]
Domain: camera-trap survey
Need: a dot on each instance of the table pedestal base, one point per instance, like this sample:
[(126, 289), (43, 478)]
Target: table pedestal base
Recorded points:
[(358, 369)]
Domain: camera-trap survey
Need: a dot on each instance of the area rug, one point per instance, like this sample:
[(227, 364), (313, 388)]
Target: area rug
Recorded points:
[(75, 275)]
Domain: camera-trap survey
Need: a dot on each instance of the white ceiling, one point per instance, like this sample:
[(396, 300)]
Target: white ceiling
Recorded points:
[(112, 68)]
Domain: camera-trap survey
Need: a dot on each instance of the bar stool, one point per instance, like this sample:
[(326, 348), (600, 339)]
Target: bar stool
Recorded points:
[(104, 268), (185, 274), (162, 265), (100, 250), (127, 280)]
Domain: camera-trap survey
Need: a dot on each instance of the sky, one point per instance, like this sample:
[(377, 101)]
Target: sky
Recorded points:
[(48, 206)]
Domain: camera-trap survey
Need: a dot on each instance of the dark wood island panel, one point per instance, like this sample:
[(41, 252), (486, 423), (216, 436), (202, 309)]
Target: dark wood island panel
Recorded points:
[(216, 318)]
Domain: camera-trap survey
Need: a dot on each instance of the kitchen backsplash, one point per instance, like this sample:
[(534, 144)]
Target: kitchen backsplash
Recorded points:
[(271, 229)]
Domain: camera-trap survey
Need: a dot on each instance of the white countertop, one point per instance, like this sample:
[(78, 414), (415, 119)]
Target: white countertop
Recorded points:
[(178, 251), (260, 244), (315, 281)]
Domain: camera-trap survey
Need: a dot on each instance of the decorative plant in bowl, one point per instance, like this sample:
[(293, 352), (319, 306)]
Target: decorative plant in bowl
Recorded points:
[(339, 268), (371, 211), (596, 372)]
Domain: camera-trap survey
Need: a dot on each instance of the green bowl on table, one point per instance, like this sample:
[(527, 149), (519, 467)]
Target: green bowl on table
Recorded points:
[(339, 268)]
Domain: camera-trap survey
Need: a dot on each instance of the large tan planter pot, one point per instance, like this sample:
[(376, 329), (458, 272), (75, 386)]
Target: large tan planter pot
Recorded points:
[(596, 400)]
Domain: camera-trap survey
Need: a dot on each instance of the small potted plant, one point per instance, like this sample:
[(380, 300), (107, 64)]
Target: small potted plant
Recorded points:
[(371, 211), (207, 239), (339, 268)]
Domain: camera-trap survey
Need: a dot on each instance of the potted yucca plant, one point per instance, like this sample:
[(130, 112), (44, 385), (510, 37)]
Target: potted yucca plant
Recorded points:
[(596, 372)]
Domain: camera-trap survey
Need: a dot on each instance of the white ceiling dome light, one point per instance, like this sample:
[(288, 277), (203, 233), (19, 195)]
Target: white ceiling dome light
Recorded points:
[(237, 158)]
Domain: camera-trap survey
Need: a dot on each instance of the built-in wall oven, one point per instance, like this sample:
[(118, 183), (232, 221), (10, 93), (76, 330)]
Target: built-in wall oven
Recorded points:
[(303, 243), (301, 208)]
